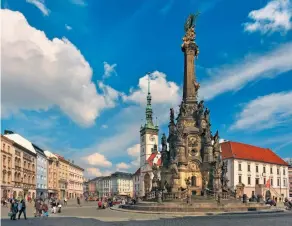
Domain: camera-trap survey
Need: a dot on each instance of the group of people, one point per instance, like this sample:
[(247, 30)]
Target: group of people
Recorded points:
[(41, 208), (17, 207)]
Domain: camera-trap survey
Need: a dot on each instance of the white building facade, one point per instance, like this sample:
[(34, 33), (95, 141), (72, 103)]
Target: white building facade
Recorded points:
[(258, 169)]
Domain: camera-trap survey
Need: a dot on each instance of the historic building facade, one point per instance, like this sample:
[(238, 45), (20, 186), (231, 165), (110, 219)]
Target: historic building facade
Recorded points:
[(255, 170), (53, 169), (63, 177), (136, 183), (290, 178), (42, 173), (75, 183), (7, 167), (148, 145), (24, 166)]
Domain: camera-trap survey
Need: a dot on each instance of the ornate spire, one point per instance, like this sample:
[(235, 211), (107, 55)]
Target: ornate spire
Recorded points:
[(149, 120)]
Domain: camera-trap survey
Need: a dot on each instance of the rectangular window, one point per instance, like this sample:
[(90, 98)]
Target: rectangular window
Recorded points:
[(271, 170), (257, 181), (239, 166), (278, 182), (278, 171), (264, 169), (284, 182), (264, 180), (284, 172), (248, 180), (248, 168), (239, 179), (257, 169)]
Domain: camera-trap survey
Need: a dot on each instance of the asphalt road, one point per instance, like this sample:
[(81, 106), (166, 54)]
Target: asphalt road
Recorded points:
[(279, 219)]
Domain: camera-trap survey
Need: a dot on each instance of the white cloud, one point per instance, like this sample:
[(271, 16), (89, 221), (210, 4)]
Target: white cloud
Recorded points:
[(235, 77), (38, 74), (97, 159), (68, 27), (40, 4), (136, 162), (266, 112), (134, 151), (104, 126), (95, 172), (275, 16), (109, 70), (122, 166), (162, 91)]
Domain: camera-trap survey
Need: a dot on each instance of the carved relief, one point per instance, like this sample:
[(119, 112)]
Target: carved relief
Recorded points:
[(193, 145), (188, 123), (193, 166)]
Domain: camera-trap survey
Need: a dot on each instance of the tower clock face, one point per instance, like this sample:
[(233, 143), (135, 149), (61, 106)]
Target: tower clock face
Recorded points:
[(151, 138)]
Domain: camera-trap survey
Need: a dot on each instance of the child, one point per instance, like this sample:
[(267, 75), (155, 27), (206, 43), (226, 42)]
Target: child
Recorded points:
[(45, 209)]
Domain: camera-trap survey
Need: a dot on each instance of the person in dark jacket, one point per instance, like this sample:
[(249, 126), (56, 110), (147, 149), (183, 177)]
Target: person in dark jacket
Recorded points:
[(23, 209), (13, 209)]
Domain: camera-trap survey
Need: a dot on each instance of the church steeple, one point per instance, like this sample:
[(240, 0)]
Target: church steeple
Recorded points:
[(149, 112)]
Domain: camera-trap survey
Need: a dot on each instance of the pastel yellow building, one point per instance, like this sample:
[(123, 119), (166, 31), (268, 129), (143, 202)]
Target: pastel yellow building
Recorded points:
[(53, 166), (63, 177)]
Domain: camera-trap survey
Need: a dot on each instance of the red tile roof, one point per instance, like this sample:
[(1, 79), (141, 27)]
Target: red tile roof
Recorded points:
[(238, 150), (154, 158)]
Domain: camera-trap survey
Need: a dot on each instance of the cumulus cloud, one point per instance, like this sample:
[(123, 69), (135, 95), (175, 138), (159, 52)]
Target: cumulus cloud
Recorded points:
[(109, 70), (97, 159), (266, 112), (275, 16), (134, 151), (40, 4), (162, 91), (95, 172), (39, 73), (122, 166), (254, 67)]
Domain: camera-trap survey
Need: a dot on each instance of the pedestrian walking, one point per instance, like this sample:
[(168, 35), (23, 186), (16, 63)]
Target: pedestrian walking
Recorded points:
[(78, 201), (13, 210), (22, 209), (65, 201), (54, 206)]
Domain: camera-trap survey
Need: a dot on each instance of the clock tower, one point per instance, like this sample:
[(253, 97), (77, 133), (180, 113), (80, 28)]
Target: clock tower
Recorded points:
[(148, 145)]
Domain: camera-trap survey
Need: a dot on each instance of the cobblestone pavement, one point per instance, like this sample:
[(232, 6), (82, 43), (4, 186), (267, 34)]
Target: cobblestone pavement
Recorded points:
[(283, 219)]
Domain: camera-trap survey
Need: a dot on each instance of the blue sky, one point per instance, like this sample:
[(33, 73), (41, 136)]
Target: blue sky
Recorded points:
[(74, 73)]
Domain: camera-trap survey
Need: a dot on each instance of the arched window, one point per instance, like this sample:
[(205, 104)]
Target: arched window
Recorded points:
[(194, 181)]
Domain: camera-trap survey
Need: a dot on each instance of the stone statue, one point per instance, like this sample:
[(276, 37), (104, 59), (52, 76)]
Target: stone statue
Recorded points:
[(173, 167), (164, 142), (183, 109), (208, 136), (201, 109), (159, 197), (224, 179), (190, 22), (197, 86), (171, 115), (216, 145), (207, 115)]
